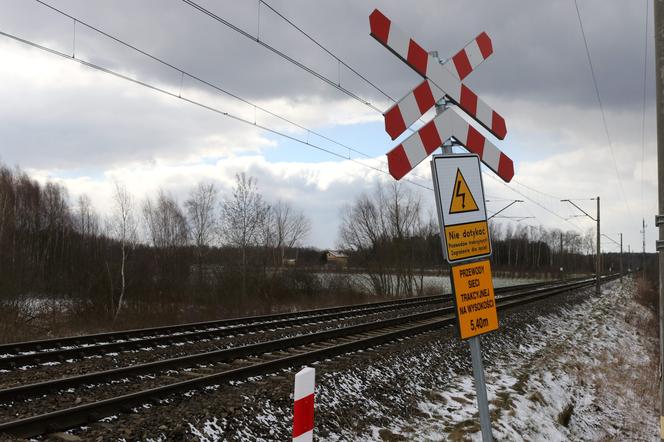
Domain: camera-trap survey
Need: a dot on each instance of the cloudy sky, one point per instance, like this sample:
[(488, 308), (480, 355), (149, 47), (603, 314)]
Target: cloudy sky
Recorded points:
[(64, 121)]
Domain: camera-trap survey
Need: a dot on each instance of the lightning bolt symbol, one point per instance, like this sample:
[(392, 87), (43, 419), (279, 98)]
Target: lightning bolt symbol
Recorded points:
[(458, 193)]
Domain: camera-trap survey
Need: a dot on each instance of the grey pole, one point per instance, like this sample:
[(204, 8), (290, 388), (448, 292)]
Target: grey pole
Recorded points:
[(659, 84), (598, 270), (474, 342), (480, 386), (643, 254), (621, 258)]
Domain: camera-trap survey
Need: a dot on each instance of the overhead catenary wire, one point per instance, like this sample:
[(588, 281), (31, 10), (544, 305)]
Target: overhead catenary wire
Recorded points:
[(514, 181), (282, 54), (216, 86), (320, 45), (191, 101), (601, 105), (205, 82), (299, 64), (222, 90), (537, 203)]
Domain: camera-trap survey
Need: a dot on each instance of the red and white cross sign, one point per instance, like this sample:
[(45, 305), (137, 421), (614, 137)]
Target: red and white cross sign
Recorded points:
[(418, 146), (418, 101), (383, 30), (439, 81)]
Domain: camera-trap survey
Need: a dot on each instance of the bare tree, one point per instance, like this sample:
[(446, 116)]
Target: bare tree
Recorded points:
[(290, 227), (86, 220), (168, 232), (243, 215), (200, 211), (381, 229), (123, 228), (165, 223)]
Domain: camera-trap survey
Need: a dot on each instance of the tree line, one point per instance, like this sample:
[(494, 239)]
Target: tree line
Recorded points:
[(156, 249), (395, 240), (217, 246)]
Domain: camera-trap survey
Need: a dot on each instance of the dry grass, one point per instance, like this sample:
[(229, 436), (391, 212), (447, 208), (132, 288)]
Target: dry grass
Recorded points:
[(615, 377), (565, 415), (647, 294), (25, 319)]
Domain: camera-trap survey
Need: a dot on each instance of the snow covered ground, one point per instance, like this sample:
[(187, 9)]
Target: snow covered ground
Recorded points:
[(581, 376), (573, 367)]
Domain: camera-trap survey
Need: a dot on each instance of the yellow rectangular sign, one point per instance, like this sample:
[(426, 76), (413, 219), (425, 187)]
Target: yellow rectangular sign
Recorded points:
[(469, 240), (474, 298)]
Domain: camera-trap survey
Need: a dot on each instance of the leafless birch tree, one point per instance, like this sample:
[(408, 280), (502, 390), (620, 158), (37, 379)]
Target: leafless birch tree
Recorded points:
[(243, 214), (123, 228)]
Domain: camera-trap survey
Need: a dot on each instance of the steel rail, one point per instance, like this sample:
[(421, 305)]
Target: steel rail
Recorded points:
[(37, 352), (234, 353), (81, 414)]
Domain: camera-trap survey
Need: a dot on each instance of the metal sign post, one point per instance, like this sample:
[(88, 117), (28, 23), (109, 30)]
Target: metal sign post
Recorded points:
[(465, 237), (480, 388)]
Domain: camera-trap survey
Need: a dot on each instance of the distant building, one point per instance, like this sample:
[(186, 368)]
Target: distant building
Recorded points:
[(336, 258)]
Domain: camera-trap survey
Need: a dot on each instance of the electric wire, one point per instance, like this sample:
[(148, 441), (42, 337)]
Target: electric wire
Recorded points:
[(601, 106), (535, 190), (244, 33), (339, 60), (537, 203), (281, 54), (313, 40), (205, 82), (218, 88), (194, 102)]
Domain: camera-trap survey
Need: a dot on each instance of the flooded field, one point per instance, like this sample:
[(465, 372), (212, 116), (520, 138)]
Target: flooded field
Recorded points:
[(432, 284)]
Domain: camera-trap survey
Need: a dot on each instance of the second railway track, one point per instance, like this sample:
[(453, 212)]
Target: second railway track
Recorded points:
[(23, 354)]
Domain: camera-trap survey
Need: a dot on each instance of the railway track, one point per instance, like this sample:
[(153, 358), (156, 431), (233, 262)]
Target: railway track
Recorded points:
[(37, 352), (111, 391)]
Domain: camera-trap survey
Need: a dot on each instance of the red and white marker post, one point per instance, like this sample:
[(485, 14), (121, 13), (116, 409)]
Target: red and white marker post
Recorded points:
[(303, 406)]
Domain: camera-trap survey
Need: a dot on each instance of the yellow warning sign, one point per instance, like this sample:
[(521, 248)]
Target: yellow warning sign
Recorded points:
[(465, 241), (475, 300), (462, 198)]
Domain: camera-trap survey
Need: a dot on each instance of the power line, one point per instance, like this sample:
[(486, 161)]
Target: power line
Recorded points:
[(601, 106), (194, 102), (353, 70), (535, 190), (339, 60), (212, 85), (534, 201), (336, 85), (308, 36), (205, 82)]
